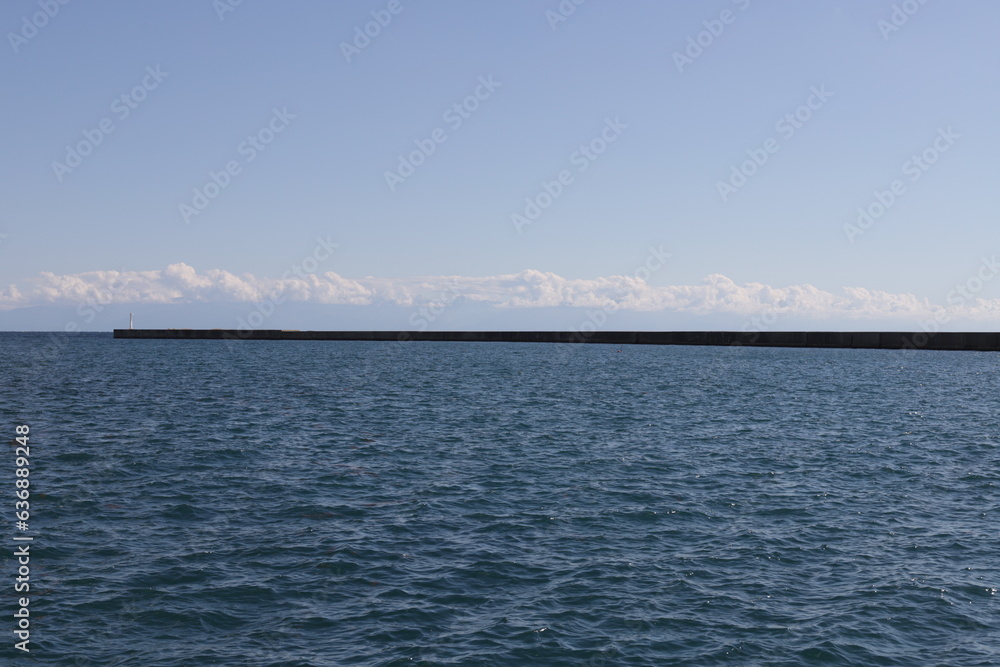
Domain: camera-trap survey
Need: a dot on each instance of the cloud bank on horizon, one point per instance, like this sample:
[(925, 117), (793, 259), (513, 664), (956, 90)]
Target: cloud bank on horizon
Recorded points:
[(716, 294)]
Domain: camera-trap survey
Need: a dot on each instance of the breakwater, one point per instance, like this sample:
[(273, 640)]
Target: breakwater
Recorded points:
[(886, 340)]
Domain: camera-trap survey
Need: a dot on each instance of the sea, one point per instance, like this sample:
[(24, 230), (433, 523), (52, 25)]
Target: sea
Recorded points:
[(429, 503)]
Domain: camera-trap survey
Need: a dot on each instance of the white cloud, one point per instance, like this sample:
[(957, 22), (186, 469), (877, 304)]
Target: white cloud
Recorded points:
[(716, 294)]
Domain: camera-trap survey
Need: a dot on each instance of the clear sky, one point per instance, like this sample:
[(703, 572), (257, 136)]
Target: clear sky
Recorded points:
[(660, 220)]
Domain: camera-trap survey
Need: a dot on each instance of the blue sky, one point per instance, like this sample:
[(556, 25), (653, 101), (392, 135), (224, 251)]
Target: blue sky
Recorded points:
[(894, 78)]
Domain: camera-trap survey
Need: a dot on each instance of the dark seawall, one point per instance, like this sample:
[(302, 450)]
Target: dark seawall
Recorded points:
[(885, 340)]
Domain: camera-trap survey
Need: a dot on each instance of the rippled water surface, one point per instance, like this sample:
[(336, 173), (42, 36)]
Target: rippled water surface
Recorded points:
[(359, 503)]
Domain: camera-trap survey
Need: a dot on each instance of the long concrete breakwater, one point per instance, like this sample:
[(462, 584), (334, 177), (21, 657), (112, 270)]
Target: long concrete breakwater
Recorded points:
[(884, 340)]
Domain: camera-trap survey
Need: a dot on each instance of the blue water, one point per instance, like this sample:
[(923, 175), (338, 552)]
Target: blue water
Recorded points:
[(359, 503)]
